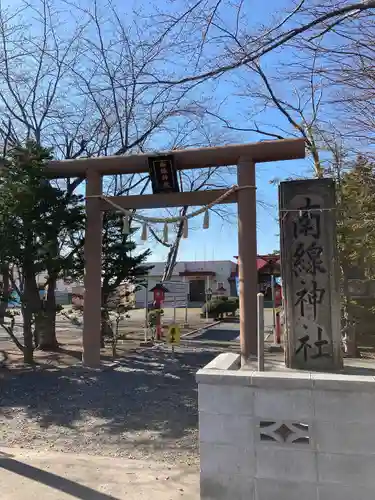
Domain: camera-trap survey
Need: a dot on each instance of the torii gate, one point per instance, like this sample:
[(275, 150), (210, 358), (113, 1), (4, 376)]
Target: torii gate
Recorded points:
[(244, 156)]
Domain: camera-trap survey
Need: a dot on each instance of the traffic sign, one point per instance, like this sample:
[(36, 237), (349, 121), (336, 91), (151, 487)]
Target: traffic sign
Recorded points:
[(174, 335)]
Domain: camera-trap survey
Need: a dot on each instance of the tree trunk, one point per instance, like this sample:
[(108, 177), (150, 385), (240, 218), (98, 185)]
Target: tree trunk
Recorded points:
[(27, 312), (106, 327), (173, 251), (106, 324), (348, 324), (28, 350), (4, 270), (45, 321)]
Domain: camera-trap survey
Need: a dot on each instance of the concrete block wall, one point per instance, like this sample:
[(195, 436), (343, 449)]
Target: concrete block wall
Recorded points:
[(285, 435)]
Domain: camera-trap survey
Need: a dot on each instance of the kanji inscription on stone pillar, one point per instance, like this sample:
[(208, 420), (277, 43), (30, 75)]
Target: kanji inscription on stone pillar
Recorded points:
[(310, 274)]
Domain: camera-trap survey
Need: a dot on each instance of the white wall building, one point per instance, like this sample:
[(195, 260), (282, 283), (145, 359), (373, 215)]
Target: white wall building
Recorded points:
[(64, 288), (217, 275)]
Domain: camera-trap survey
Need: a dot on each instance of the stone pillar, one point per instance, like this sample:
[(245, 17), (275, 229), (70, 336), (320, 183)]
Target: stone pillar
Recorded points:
[(310, 274), (247, 256), (93, 268)]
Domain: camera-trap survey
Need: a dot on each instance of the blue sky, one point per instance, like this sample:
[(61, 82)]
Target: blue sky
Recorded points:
[(227, 93), (220, 240)]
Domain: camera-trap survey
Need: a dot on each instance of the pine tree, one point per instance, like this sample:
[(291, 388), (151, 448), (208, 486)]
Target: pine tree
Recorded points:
[(33, 216), (356, 240)]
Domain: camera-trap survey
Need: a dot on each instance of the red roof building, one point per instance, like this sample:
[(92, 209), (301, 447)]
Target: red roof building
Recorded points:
[(272, 260), (267, 266)]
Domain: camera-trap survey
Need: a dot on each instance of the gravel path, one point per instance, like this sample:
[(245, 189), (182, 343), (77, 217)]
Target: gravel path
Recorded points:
[(145, 407)]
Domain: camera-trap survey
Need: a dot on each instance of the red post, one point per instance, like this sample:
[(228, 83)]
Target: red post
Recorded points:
[(157, 305), (159, 294)]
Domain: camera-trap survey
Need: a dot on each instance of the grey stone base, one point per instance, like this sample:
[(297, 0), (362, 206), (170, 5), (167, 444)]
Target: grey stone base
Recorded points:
[(285, 435)]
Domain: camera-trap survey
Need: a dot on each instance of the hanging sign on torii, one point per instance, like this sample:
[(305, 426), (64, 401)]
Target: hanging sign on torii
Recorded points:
[(163, 174)]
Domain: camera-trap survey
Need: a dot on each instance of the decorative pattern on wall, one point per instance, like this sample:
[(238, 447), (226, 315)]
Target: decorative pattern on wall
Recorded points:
[(284, 433)]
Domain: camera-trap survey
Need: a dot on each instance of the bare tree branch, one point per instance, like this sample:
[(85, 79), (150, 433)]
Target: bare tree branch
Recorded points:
[(278, 40)]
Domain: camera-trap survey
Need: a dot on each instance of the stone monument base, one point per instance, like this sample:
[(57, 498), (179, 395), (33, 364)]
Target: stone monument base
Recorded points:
[(285, 435)]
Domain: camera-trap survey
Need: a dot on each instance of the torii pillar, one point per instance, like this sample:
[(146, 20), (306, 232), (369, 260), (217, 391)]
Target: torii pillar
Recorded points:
[(93, 272), (247, 257)]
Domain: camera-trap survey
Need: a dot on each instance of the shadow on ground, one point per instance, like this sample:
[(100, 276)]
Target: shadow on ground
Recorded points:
[(52, 480), (146, 392)]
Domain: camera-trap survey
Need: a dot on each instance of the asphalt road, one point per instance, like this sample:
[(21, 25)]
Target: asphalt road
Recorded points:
[(224, 332), (229, 332)]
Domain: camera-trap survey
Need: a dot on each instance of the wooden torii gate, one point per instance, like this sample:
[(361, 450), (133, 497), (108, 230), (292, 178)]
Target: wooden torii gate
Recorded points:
[(244, 156)]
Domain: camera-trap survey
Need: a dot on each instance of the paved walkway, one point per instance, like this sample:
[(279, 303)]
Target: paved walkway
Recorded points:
[(228, 331), (65, 476)]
